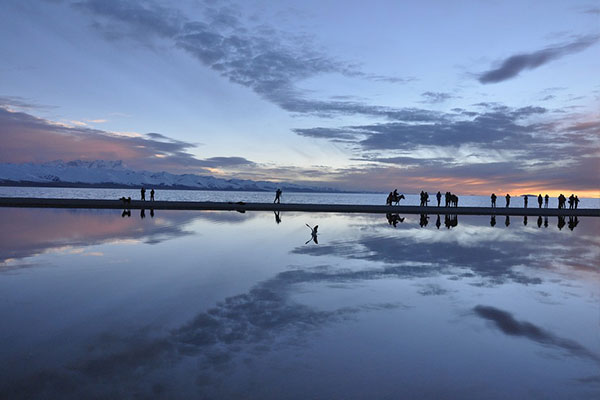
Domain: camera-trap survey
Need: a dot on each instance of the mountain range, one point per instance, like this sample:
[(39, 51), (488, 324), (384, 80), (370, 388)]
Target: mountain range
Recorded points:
[(102, 173)]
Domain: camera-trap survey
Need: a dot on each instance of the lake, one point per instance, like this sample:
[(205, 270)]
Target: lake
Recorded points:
[(267, 197), (225, 305)]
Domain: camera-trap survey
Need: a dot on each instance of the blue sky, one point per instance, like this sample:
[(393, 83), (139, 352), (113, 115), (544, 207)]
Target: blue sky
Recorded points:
[(469, 96)]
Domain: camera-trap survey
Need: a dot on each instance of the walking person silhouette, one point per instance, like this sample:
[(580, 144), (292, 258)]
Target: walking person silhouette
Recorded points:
[(277, 196), (507, 200)]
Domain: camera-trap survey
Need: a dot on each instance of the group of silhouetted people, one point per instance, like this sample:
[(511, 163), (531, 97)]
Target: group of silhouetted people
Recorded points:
[(573, 201), (143, 194)]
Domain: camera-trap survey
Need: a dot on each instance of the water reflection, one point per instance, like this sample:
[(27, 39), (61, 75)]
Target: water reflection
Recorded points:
[(289, 320)]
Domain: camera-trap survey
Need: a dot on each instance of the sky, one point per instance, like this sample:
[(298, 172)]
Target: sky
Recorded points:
[(465, 96)]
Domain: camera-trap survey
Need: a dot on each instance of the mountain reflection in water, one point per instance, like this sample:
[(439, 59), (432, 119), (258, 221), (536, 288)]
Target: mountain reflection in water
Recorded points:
[(229, 305)]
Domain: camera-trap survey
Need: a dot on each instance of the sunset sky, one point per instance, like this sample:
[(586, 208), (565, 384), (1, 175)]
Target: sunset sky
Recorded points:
[(467, 96)]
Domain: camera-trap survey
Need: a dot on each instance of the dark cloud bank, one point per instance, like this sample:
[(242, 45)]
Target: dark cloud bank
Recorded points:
[(514, 65)]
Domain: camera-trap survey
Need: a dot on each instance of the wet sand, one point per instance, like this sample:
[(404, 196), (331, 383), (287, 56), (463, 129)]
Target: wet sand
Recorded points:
[(241, 206)]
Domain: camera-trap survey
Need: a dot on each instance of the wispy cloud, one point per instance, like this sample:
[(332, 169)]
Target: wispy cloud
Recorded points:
[(269, 62), (514, 65)]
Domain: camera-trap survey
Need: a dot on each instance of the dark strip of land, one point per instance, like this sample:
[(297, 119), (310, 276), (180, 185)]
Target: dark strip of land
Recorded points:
[(241, 206)]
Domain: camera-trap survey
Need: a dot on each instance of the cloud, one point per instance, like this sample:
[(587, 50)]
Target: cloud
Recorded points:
[(510, 326), (25, 138), (436, 97), (269, 62), (488, 148), (513, 65)]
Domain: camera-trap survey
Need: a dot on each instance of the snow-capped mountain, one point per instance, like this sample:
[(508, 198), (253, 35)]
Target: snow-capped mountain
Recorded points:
[(115, 173)]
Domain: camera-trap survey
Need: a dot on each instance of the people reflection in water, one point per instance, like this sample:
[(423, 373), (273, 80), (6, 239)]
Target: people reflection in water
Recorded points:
[(313, 234), (573, 221), (539, 221), (546, 198), (152, 213), (277, 217), (561, 222), (424, 220), (507, 197), (540, 200), (393, 219), (142, 213), (545, 222), (525, 220), (126, 213), (507, 221), (493, 221), (451, 221), (493, 197), (438, 223)]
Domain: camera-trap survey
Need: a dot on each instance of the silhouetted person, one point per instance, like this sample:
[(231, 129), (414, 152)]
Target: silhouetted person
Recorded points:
[(507, 221), (525, 220), (438, 196), (546, 198), (152, 213), (277, 196), (277, 217), (576, 201), (142, 213), (571, 201), (447, 198), (313, 234), (540, 200), (561, 222), (507, 199), (525, 201), (143, 193), (561, 201), (539, 221), (493, 221), (493, 197), (151, 194)]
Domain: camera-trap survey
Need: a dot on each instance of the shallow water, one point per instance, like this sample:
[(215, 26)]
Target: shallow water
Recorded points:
[(265, 197), (229, 305)]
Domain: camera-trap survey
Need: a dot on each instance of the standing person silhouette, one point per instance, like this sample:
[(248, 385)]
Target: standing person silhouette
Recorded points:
[(507, 200), (277, 196), (493, 197), (152, 195), (546, 198), (540, 200), (143, 193), (576, 201), (525, 201), (438, 196)]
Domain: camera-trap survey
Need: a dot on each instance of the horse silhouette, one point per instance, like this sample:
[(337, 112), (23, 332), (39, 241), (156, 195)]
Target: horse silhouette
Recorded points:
[(394, 199)]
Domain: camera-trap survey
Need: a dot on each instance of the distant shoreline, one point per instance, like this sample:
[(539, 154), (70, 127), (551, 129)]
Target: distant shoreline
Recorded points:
[(243, 207)]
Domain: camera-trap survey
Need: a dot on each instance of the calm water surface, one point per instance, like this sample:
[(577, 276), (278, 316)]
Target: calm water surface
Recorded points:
[(266, 197), (222, 305)]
